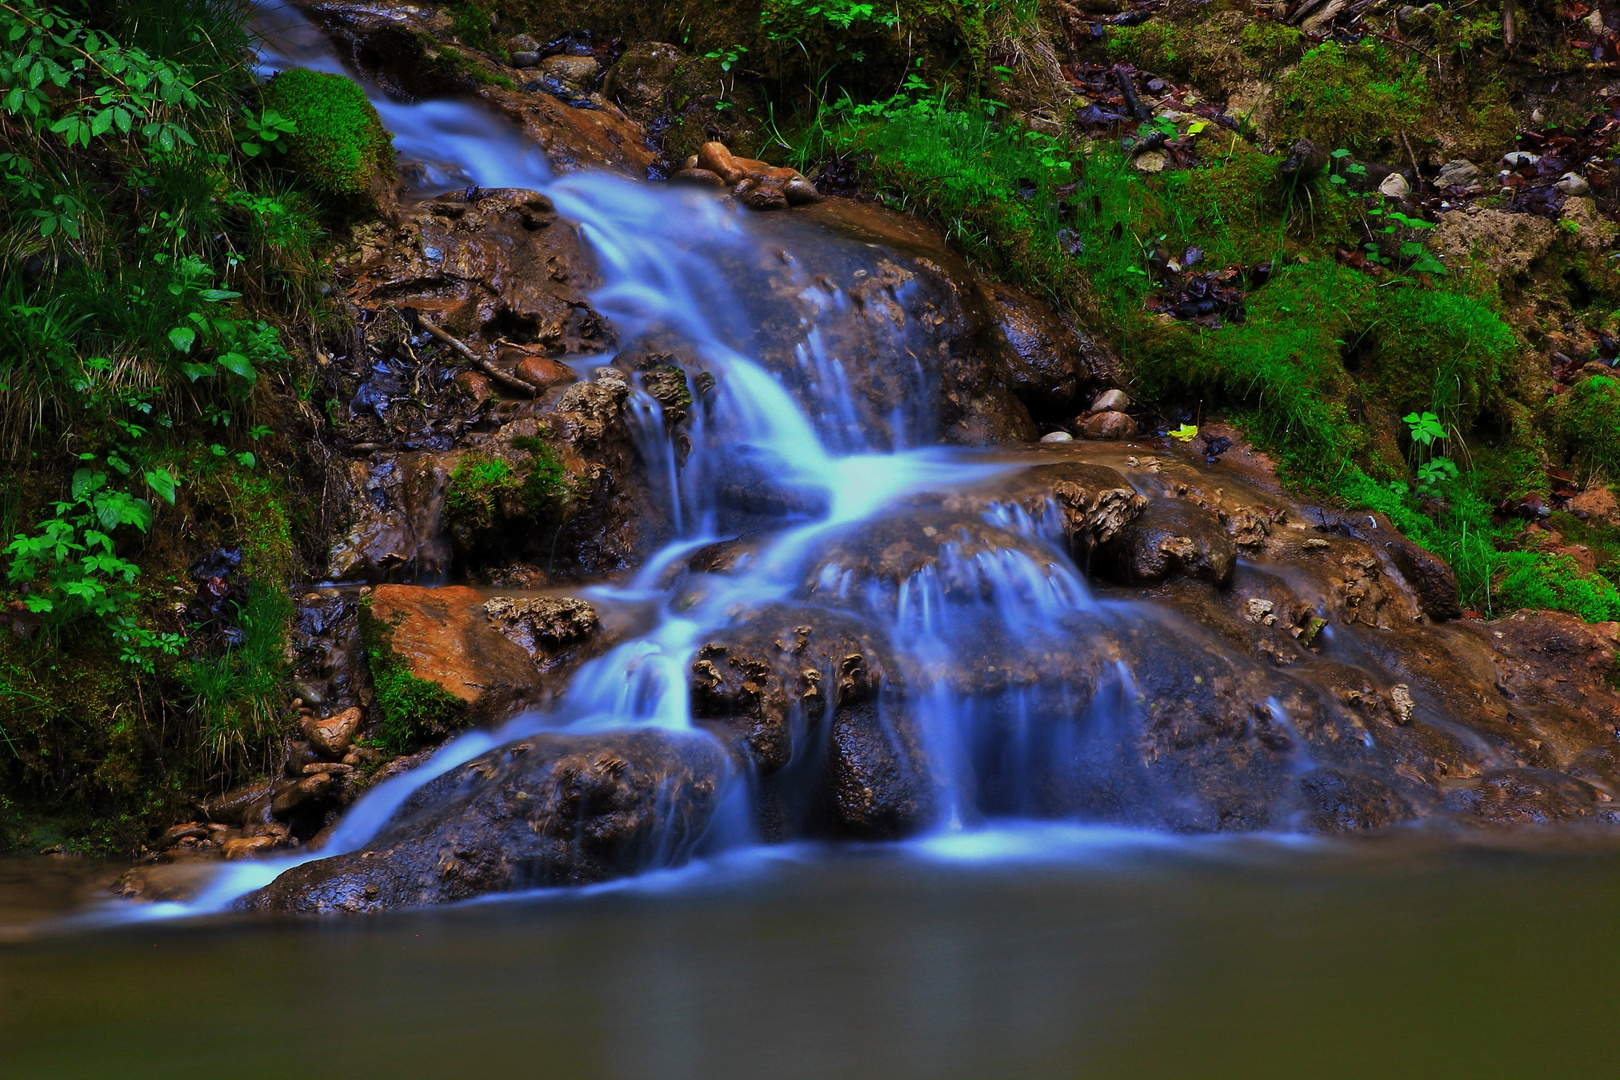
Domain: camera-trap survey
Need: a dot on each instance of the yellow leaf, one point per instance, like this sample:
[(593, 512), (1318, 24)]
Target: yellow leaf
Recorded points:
[(1184, 433)]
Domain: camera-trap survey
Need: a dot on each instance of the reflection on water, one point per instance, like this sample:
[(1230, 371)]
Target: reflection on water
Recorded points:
[(1227, 958)]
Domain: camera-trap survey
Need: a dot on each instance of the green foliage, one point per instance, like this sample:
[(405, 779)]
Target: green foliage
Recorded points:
[(412, 708), (472, 25), (339, 146), (1540, 579), (236, 697), (1588, 422)]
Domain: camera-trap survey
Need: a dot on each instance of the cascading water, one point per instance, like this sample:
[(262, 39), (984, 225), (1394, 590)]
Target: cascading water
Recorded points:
[(667, 259)]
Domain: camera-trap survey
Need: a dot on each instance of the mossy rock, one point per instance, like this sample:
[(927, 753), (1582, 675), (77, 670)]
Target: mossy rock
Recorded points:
[(340, 149), (413, 709), (1588, 423), (488, 494)]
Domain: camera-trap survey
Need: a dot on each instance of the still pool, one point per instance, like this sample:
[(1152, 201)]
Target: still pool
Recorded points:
[(1026, 954)]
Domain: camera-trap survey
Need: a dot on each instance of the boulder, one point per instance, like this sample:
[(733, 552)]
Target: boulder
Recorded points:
[(1106, 426), (1174, 537), (444, 636), (1038, 350), (641, 79), (332, 736), (815, 696), (550, 809)]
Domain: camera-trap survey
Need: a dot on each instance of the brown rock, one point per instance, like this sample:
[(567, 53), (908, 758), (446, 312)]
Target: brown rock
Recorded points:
[(1106, 426), (800, 192), (1173, 536), (1039, 351), (765, 195), (715, 158), (444, 637), (300, 795), (247, 847), (699, 177), (1431, 578), (474, 387), (641, 79), (543, 373), (332, 736)]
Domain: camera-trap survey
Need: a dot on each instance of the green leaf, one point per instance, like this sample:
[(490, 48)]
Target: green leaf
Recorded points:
[(164, 483), (197, 371), (237, 364), (182, 338)]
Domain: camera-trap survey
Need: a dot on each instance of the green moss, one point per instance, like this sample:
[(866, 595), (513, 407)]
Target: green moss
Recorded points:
[(1272, 43), (340, 146), (1539, 579), (1356, 97), (413, 709), (1588, 423), (472, 24), (486, 493)]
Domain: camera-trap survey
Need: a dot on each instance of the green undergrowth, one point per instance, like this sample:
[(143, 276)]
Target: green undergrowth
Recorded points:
[(413, 709), (1325, 360), (159, 245)]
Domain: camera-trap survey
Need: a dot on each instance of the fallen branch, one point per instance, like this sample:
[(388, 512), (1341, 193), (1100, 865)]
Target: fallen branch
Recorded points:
[(511, 382)]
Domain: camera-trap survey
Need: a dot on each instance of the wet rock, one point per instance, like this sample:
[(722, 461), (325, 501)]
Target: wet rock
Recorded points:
[(551, 809), (815, 697), (759, 185), (698, 177), (233, 806), (575, 71), (1173, 537), (1105, 426), (542, 625), (444, 637), (1431, 578), (302, 796), (475, 388), (1057, 437), (393, 503), (885, 288), (1092, 504), (1038, 350), (526, 59), (543, 373), (1337, 801), (1524, 796), (495, 268), (247, 847), (174, 882), (332, 736)]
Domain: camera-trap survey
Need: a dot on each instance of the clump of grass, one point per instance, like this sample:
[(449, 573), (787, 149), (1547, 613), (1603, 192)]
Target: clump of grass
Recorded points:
[(340, 146), (236, 697), (1356, 97), (1588, 421)]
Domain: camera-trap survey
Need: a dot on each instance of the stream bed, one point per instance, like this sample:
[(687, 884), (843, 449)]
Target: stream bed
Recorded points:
[(1104, 954)]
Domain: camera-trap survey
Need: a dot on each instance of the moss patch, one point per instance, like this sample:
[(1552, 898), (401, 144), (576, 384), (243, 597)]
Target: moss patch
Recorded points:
[(340, 148), (1588, 422), (413, 709)]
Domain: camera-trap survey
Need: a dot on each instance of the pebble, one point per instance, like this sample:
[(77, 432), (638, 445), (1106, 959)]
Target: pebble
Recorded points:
[(1111, 401), (1057, 437), (1395, 186), (1457, 173), (1108, 425), (246, 846), (1151, 162), (525, 59), (1572, 184), (1514, 158)]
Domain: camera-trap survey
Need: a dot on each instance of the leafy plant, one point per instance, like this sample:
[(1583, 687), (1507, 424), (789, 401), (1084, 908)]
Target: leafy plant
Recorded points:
[(1424, 428)]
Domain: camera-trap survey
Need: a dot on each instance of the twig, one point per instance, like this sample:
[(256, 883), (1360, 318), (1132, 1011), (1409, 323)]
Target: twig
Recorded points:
[(509, 381), (1510, 32), (1417, 177)]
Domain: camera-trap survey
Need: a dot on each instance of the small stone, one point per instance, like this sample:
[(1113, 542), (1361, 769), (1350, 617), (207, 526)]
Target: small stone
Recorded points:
[(333, 767), (1111, 401), (1572, 184), (1108, 425), (332, 736), (1400, 695), (1153, 161), (246, 847), (525, 59), (1395, 186), (1261, 611), (1057, 437), (542, 372), (801, 192), (1515, 158), (1458, 173), (474, 388), (1315, 543), (519, 43), (766, 196), (308, 790), (351, 759), (190, 830), (576, 71), (714, 157), (697, 177)]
